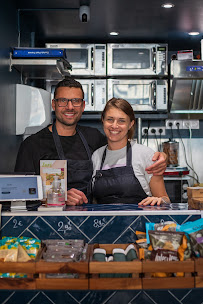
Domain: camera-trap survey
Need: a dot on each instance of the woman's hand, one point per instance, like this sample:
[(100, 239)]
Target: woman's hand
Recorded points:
[(153, 200), (159, 167)]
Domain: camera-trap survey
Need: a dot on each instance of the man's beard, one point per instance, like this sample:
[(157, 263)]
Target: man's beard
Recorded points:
[(66, 123)]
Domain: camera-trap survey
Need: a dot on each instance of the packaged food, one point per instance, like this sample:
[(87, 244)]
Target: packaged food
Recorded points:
[(140, 234), (194, 230), (162, 226), (165, 239), (164, 255), (130, 253)]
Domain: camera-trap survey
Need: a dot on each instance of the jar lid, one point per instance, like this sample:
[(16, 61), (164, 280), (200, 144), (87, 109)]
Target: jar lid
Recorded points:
[(99, 250), (118, 250), (171, 141)]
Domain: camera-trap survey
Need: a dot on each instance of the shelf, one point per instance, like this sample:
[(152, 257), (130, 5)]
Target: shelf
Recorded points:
[(42, 68), (151, 116)]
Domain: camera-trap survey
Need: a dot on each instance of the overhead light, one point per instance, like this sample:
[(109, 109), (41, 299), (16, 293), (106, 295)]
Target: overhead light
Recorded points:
[(193, 33), (167, 5), (114, 33)]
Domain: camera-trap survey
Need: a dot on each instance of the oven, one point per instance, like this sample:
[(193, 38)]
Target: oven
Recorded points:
[(176, 188), (137, 59), (143, 94), (86, 59)]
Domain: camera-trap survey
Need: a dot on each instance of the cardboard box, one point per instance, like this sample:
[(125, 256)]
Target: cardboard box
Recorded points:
[(194, 192), (196, 203), (51, 168)]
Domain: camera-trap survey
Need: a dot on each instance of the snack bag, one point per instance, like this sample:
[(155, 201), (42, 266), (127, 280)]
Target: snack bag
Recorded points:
[(162, 226), (9, 252), (140, 235), (165, 246), (143, 249), (194, 231)]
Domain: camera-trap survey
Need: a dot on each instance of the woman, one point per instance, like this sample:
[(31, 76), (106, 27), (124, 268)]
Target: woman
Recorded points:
[(119, 167)]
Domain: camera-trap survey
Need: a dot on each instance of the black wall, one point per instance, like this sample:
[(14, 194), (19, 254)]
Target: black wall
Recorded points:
[(9, 142)]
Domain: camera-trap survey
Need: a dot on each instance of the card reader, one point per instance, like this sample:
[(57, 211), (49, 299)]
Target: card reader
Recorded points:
[(19, 189)]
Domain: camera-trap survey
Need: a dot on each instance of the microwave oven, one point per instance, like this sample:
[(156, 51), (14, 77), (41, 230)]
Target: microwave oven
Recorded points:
[(94, 92), (86, 59), (137, 59), (176, 188), (143, 95)]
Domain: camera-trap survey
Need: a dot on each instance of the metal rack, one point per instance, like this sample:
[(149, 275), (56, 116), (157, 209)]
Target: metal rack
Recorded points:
[(41, 68)]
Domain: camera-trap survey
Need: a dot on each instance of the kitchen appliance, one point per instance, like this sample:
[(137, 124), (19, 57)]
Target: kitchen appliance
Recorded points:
[(176, 171), (137, 59), (86, 59), (176, 188), (143, 95), (94, 93), (186, 93), (33, 108), (171, 148)]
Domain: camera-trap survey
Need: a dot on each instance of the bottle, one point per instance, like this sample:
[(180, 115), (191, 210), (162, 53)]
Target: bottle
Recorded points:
[(131, 253), (99, 254), (119, 256), (56, 195)]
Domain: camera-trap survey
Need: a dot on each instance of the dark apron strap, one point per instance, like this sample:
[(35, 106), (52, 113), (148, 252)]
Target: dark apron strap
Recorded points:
[(84, 143), (128, 155), (58, 144)]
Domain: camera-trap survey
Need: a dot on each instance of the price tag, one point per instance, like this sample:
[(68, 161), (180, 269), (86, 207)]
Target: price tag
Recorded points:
[(17, 224)]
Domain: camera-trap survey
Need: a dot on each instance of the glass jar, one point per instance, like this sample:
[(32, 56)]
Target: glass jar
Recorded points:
[(56, 195), (171, 148)]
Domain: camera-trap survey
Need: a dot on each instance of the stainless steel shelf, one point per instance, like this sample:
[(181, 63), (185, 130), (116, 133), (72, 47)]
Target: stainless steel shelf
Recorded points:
[(151, 116), (41, 68)]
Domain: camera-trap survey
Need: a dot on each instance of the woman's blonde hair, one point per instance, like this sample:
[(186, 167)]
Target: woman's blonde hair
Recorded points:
[(124, 106)]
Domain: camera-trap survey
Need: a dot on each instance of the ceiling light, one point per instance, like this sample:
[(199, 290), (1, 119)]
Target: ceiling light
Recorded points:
[(114, 33), (193, 33), (167, 5)]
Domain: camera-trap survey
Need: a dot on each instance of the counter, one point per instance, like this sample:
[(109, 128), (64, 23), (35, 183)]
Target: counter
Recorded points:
[(95, 224)]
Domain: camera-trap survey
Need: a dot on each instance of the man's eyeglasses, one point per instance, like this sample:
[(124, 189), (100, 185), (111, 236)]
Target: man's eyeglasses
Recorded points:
[(63, 102)]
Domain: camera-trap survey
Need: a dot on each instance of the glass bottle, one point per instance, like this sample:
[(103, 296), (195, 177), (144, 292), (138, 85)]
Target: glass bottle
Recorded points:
[(56, 195)]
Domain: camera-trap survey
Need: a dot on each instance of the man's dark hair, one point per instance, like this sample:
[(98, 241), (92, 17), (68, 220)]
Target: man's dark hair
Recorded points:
[(69, 82)]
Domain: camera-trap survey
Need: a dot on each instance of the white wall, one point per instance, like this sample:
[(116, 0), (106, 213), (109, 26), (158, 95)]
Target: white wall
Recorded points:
[(197, 155)]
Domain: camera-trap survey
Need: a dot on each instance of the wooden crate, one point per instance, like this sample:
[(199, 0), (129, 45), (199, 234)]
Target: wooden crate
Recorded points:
[(18, 267), (96, 268), (199, 273), (43, 268), (185, 267)]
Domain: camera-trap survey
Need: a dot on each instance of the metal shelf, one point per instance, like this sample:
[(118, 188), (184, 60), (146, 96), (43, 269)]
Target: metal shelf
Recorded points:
[(41, 68), (151, 116)]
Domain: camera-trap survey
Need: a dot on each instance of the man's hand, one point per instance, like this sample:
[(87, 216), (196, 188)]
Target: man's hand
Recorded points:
[(159, 167), (76, 197)]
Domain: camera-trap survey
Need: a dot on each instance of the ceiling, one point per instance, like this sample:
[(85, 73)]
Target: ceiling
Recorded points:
[(136, 21)]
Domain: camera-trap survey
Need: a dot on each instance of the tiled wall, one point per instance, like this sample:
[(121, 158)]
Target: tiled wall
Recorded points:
[(102, 229)]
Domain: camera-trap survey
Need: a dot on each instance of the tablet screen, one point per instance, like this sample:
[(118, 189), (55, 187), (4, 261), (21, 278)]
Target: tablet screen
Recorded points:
[(18, 188)]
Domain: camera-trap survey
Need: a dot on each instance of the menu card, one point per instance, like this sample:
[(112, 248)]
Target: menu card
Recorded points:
[(51, 168)]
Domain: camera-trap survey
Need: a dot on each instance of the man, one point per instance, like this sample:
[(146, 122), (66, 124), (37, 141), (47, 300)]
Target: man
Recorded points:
[(64, 139)]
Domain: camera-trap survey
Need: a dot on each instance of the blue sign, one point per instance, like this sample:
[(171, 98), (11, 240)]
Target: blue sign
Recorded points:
[(194, 68)]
